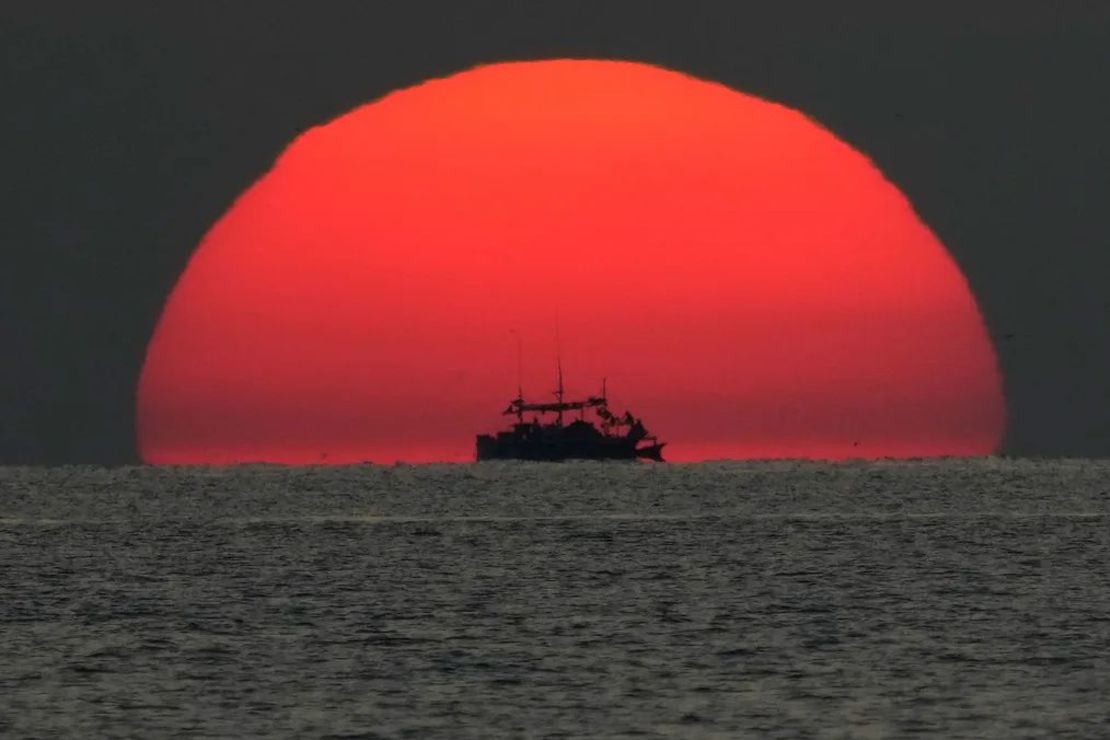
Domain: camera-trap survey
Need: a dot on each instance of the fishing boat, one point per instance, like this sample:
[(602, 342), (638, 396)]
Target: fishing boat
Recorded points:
[(547, 435)]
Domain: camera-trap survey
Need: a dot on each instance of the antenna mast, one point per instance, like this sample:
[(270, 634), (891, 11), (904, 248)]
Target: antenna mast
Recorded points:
[(519, 376), (559, 366)]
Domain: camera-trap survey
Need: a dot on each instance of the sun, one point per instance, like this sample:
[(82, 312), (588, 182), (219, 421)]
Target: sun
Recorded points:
[(751, 285)]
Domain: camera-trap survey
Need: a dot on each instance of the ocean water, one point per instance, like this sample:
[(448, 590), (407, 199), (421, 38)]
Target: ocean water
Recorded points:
[(780, 599)]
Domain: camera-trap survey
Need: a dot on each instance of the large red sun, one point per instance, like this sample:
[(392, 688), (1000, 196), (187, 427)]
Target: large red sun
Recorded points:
[(749, 284)]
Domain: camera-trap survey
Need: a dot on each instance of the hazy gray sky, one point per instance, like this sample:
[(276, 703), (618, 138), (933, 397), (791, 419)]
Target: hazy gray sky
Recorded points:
[(129, 128)]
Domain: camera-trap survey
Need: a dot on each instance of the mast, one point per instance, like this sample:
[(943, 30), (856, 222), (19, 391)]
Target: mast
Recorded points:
[(559, 390), (519, 376), (559, 366)]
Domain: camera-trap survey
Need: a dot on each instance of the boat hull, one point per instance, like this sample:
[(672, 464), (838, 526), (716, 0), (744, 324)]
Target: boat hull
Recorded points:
[(553, 445)]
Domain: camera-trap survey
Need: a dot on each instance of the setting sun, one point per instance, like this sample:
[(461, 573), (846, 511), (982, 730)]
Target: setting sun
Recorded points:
[(750, 284)]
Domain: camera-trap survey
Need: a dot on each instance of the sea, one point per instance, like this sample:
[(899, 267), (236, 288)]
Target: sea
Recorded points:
[(945, 598)]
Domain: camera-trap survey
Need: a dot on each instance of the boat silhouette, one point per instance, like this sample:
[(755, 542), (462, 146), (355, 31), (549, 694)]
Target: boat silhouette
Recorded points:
[(546, 437)]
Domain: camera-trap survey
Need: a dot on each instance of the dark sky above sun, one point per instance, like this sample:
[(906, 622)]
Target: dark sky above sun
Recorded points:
[(131, 129)]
